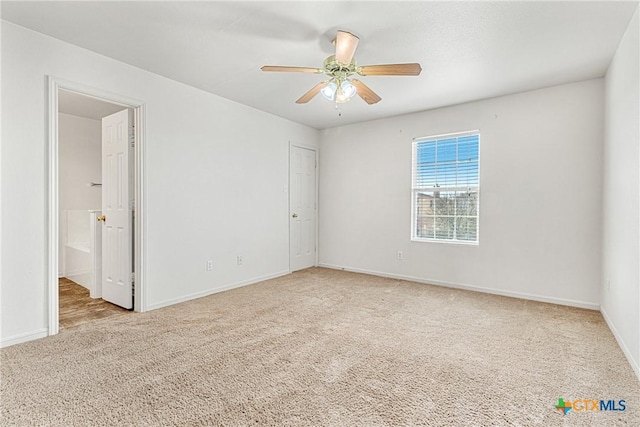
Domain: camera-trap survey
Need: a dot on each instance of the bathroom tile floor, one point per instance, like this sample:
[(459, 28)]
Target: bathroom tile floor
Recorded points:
[(77, 307)]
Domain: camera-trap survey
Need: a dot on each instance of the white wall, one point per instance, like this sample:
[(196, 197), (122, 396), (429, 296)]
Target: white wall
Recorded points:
[(540, 196), (214, 177), (620, 294), (79, 163)]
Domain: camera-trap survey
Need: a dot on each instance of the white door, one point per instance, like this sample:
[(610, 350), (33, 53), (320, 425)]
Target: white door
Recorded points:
[(117, 190), (302, 207)]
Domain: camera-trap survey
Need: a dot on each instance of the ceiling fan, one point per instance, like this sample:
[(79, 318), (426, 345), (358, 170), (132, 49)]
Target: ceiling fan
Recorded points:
[(341, 87)]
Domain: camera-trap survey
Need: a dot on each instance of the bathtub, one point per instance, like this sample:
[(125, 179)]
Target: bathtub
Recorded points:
[(83, 250)]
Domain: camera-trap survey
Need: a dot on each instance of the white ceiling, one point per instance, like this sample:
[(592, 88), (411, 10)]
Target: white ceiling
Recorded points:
[(468, 50), (85, 106)]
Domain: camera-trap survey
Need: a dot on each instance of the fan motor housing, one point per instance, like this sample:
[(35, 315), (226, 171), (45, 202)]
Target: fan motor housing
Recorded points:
[(336, 69)]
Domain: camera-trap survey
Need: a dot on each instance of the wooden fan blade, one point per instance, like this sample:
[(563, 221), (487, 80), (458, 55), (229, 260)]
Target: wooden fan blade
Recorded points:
[(291, 69), (391, 70), (369, 96), (313, 92), (346, 44)]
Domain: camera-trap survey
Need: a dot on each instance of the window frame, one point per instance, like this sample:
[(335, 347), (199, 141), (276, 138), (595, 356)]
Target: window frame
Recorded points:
[(415, 189)]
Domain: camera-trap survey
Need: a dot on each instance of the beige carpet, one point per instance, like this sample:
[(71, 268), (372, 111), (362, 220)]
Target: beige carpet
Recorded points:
[(323, 347)]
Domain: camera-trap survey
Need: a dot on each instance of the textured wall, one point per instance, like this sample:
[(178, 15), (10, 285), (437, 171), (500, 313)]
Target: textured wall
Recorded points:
[(209, 163), (620, 290), (540, 196)]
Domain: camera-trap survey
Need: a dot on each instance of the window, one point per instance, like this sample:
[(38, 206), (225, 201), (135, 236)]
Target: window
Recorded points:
[(445, 187)]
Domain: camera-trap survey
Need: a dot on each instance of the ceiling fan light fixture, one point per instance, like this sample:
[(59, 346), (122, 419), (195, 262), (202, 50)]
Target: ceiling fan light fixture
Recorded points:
[(341, 67), (348, 89), (345, 92), (329, 91)]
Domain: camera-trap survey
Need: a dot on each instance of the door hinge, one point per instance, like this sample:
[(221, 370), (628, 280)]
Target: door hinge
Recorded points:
[(133, 277), (132, 136), (132, 204)]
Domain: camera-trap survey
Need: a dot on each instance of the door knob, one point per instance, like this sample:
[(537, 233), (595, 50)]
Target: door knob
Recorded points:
[(295, 215), (102, 218)]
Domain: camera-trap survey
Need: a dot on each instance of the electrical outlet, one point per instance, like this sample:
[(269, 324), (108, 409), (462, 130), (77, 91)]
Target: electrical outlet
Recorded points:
[(210, 265), (400, 255), (239, 260)]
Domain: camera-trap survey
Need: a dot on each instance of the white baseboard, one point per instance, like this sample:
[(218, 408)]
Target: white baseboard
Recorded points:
[(512, 294), (215, 290), (635, 364), (29, 336)]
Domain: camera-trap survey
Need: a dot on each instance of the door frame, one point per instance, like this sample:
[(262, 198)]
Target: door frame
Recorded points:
[(317, 151), (139, 250)]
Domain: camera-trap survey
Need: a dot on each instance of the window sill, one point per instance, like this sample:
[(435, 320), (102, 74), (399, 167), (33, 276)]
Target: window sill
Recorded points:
[(451, 242)]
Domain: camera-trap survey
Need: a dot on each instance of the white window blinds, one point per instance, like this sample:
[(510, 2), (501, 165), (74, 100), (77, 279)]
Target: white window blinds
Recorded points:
[(445, 187)]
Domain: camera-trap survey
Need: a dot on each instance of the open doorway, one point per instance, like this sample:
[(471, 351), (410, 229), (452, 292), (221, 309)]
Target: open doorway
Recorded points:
[(79, 207), (95, 204)]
